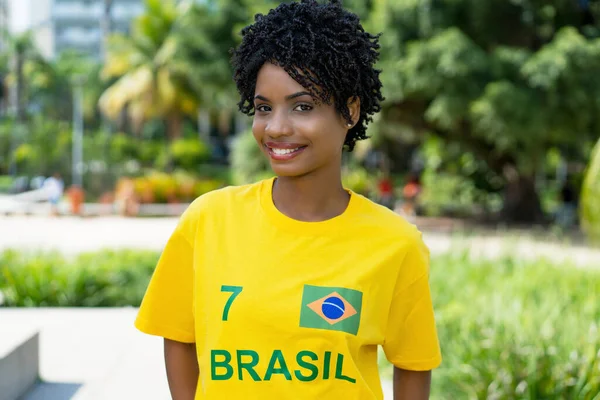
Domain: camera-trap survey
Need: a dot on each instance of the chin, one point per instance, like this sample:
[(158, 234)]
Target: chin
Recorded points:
[(289, 171)]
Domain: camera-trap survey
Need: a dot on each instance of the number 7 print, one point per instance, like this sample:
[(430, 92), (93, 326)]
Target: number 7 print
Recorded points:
[(235, 291)]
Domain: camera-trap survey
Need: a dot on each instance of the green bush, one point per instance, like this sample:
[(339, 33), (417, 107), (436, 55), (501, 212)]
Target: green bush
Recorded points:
[(516, 330), (358, 180), (6, 183), (100, 279), (188, 153), (248, 164)]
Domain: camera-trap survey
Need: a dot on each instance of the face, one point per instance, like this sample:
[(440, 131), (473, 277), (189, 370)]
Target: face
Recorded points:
[(299, 135)]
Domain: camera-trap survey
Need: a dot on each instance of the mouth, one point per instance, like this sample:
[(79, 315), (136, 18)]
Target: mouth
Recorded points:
[(284, 151)]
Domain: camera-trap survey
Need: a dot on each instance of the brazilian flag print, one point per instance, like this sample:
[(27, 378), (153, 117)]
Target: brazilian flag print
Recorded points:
[(331, 308)]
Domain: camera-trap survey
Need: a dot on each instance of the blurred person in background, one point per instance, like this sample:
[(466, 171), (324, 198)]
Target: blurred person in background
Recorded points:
[(285, 288), (126, 200), (53, 187), (385, 191), (566, 216), (410, 195)]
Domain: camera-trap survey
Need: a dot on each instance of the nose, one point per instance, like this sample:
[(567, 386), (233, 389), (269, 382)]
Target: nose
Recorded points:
[(279, 125)]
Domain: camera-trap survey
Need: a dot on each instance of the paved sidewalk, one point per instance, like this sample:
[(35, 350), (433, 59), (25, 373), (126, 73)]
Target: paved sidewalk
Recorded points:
[(95, 354)]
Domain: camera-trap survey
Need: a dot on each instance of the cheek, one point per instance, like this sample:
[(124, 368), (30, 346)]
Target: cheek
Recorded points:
[(335, 136), (258, 129)]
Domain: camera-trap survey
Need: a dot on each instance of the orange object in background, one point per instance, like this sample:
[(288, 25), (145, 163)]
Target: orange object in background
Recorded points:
[(76, 197), (411, 190)]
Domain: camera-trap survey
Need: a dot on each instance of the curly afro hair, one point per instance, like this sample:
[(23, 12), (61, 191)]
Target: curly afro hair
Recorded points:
[(322, 47)]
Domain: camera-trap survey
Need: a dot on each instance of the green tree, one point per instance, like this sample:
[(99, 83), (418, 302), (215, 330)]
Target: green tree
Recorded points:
[(50, 88), (506, 81), (20, 50), (150, 83), (206, 33)]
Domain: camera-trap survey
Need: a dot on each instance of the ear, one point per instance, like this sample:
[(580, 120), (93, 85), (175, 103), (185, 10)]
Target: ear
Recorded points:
[(353, 105)]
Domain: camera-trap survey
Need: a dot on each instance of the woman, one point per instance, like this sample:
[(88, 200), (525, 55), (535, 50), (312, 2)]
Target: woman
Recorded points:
[(284, 289)]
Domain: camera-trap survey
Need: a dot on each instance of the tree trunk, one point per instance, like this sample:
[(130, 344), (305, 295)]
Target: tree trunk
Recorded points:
[(521, 201), (174, 126), (203, 125), (20, 101)]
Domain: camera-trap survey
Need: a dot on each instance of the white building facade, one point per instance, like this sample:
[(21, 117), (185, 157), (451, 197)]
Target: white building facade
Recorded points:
[(63, 25)]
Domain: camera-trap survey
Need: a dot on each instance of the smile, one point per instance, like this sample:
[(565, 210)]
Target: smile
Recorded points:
[(284, 152), (281, 152)]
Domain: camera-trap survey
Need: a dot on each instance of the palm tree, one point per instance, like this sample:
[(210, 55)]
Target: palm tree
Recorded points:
[(20, 49), (206, 34), (149, 82), (50, 83)]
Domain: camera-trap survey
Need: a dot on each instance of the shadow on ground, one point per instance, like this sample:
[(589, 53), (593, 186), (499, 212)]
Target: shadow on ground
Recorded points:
[(52, 391)]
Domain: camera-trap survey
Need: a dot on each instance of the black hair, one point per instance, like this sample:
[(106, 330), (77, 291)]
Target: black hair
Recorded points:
[(322, 47)]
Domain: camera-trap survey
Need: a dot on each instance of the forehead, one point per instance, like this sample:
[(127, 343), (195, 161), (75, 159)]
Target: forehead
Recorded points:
[(274, 79)]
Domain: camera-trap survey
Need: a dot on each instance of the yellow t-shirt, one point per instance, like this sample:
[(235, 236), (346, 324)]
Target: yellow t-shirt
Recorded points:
[(284, 309)]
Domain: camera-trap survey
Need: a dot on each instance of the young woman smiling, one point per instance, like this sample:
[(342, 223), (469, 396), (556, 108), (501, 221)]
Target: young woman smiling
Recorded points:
[(285, 288)]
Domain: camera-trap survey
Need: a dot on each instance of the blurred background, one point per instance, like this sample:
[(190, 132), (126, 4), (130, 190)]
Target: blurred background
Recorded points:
[(116, 114)]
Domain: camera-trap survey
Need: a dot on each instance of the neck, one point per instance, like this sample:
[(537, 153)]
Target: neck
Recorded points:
[(311, 198)]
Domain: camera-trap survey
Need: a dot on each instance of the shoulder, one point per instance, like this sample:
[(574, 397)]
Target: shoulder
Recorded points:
[(218, 201), (386, 222), (223, 197), (398, 236)]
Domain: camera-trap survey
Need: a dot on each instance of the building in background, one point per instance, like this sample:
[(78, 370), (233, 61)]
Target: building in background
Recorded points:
[(4, 27), (79, 25)]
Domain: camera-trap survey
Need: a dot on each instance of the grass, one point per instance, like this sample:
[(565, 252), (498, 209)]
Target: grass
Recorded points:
[(515, 330)]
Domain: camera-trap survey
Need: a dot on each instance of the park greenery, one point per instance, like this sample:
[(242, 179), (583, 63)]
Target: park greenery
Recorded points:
[(492, 99), (509, 329)]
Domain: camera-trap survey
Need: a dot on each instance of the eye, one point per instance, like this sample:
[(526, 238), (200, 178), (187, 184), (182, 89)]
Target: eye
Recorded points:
[(303, 107), (263, 108)]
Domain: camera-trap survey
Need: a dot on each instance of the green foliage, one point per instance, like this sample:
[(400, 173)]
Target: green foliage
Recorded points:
[(455, 182), (248, 163), (50, 84), (101, 279), (206, 33), (42, 148), (358, 180), (446, 194), (188, 153), (6, 183), (590, 197), (505, 80), (151, 80), (514, 329)]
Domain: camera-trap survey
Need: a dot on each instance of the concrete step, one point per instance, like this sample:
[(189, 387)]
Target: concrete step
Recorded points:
[(19, 360)]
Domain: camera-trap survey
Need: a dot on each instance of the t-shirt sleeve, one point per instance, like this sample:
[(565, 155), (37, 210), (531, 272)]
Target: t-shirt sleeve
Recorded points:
[(411, 340), (167, 306)]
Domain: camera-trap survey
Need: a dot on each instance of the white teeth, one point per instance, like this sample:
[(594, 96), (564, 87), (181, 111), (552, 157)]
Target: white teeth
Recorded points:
[(281, 152)]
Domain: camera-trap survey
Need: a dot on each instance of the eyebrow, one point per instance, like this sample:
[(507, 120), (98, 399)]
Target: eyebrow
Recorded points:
[(290, 97)]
